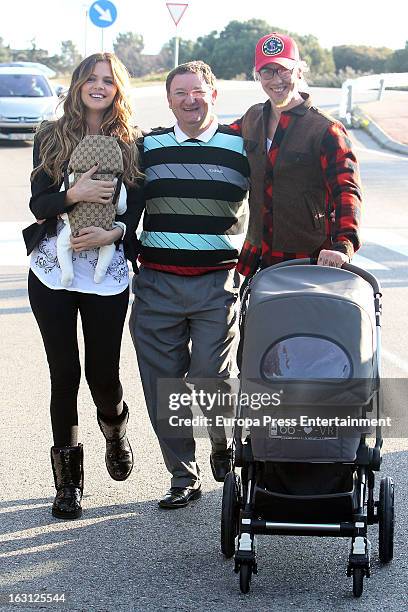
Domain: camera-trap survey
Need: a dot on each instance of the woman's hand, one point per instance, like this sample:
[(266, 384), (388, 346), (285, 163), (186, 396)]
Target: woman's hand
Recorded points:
[(332, 258), (94, 237), (88, 189)]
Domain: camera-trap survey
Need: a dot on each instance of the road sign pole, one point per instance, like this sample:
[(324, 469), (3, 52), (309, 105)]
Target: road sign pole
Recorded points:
[(176, 10), (103, 14), (85, 7), (176, 50)]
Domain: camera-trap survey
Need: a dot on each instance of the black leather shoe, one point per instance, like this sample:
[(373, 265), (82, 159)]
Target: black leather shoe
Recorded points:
[(221, 463), (179, 497)]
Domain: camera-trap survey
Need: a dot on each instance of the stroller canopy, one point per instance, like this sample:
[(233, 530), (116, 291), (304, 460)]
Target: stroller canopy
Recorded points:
[(311, 323)]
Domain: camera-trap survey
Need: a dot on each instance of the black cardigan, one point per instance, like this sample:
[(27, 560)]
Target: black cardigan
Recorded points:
[(47, 202)]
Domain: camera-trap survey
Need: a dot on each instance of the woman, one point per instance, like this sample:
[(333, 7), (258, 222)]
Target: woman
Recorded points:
[(96, 103)]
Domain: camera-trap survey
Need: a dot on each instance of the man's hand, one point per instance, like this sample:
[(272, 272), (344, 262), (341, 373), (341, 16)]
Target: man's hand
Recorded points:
[(94, 237), (88, 189), (334, 259)]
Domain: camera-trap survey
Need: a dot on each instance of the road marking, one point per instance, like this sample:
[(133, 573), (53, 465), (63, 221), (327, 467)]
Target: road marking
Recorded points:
[(395, 360), (13, 253), (12, 248), (386, 238), (400, 157), (367, 264), (232, 116)]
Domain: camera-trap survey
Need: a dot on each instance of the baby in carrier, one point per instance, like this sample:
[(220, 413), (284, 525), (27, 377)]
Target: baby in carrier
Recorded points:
[(105, 151)]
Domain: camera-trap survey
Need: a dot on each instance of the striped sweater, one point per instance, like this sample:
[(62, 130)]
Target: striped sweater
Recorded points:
[(195, 210)]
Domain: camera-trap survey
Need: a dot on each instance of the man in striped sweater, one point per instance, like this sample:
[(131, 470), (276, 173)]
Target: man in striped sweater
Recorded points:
[(183, 317)]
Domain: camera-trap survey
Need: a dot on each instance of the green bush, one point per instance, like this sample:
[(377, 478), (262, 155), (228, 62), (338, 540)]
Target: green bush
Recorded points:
[(332, 79)]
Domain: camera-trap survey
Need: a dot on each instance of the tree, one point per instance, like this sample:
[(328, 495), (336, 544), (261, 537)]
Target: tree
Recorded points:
[(361, 58), (70, 56), (398, 62), (165, 59), (232, 51), (30, 55), (66, 61), (128, 46), (5, 55), (204, 47), (319, 60)]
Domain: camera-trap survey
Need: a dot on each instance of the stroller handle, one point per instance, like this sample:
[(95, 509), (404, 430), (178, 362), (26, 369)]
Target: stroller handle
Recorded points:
[(307, 261)]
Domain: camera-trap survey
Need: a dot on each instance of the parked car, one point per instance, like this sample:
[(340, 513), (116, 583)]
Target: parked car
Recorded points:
[(26, 98), (36, 65)]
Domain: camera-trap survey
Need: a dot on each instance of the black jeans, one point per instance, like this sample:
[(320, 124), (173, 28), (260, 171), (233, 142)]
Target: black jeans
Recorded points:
[(102, 317)]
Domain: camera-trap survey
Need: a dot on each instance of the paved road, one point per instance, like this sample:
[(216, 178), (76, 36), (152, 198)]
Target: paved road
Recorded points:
[(125, 554), (391, 113)]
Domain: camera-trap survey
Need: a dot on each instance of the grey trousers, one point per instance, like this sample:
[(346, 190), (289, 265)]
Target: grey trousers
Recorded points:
[(183, 326)]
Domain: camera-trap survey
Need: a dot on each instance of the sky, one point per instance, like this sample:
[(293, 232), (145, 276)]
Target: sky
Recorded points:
[(362, 22)]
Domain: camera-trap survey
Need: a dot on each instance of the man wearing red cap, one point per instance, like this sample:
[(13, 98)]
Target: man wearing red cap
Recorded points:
[(305, 189)]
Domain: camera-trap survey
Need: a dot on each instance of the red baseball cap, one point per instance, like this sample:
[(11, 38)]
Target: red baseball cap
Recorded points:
[(277, 48)]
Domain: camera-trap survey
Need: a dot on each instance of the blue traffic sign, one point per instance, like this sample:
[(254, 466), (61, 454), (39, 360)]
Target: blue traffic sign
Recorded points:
[(103, 13)]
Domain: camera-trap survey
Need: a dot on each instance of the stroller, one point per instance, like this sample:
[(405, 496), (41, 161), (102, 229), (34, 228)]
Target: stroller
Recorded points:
[(310, 338)]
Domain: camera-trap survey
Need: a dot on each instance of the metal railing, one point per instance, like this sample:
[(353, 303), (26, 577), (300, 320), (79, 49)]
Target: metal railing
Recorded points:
[(370, 83)]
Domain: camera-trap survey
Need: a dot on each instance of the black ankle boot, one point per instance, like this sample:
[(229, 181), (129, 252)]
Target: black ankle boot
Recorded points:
[(67, 467), (118, 456)]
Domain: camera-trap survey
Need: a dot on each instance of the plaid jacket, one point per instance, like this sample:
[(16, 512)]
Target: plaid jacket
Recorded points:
[(343, 196)]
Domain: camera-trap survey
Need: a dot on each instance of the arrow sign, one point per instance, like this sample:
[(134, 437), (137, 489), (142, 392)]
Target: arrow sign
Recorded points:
[(103, 13), (177, 10)]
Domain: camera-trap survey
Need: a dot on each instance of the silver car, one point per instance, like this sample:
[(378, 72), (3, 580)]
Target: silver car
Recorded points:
[(26, 99)]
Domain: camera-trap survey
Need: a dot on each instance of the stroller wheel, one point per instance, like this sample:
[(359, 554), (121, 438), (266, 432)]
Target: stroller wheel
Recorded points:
[(230, 513), (245, 575), (358, 579), (386, 519)]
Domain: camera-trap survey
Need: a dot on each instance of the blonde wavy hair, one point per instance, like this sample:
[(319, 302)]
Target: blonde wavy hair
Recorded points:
[(59, 138)]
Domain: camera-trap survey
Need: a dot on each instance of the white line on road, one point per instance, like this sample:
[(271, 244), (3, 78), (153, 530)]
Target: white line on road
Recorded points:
[(395, 360), (367, 264), (12, 249), (400, 157), (386, 238)]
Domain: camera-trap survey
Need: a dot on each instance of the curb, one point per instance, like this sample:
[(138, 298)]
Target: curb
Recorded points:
[(365, 122)]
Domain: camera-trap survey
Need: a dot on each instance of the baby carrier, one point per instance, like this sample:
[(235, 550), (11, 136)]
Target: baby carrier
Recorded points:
[(105, 151)]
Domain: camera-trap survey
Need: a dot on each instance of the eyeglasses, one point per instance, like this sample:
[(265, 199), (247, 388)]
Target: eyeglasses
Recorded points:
[(268, 73), (195, 93)]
